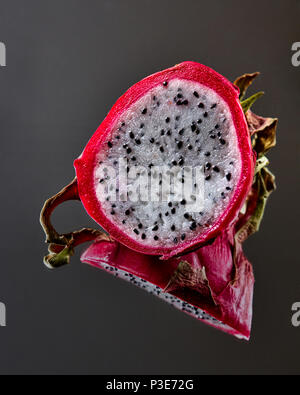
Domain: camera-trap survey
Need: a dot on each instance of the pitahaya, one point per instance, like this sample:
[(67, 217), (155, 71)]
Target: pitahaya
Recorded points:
[(182, 117), (185, 116)]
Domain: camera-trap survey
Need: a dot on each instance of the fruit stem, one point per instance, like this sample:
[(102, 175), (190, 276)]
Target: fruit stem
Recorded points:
[(61, 246)]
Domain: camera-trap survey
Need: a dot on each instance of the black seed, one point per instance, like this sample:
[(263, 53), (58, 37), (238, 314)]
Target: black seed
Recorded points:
[(207, 153), (208, 165), (127, 212), (179, 95), (219, 134), (110, 144), (193, 127), (115, 162), (125, 145), (151, 165), (216, 169), (181, 162), (101, 181), (170, 204), (155, 228), (217, 126), (167, 120), (201, 105), (177, 118), (138, 141), (175, 240), (113, 212), (143, 236), (179, 144), (222, 141), (222, 194), (161, 149), (167, 213), (140, 226), (155, 237), (133, 158), (152, 140), (178, 103), (228, 176), (182, 237), (173, 228), (181, 132), (214, 105), (141, 126), (173, 211), (212, 136), (193, 225), (228, 188), (165, 83), (185, 102), (128, 150), (169, 132), (196, 94), (207, 178), (144, 111), (136, 231), (186, 215), (174, 163), (190, 147), (162, 132), (131, 135), (199, 121), (205, 114), (123, 222), (183, 202)]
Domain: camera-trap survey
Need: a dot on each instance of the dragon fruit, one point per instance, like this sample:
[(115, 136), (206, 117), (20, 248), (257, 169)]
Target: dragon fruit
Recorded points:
[(181, 118)]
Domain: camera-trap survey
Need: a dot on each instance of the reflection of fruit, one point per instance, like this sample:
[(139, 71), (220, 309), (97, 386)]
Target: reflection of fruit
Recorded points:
[(208, 284)]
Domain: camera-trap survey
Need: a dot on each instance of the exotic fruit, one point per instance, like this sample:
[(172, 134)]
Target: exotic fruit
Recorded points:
[(177, 177), (180, 118)]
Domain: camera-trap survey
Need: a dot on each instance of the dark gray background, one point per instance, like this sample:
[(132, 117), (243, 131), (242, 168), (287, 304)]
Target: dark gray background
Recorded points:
[(67, 62)]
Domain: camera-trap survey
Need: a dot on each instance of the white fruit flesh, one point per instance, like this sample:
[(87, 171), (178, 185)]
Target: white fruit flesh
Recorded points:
[(178, 125)]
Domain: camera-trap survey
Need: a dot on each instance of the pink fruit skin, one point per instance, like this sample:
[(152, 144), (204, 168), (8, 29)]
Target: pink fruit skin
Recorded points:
[(231, 283), (86, 163)]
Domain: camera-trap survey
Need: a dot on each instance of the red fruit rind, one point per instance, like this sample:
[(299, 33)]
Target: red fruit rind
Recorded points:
[(86, 163)]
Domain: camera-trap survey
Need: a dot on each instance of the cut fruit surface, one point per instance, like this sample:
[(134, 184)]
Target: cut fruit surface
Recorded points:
[(164, 127)]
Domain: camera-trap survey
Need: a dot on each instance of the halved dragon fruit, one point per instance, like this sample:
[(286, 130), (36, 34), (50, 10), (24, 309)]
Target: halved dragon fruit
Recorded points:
[(179, 119), (184, 117)]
